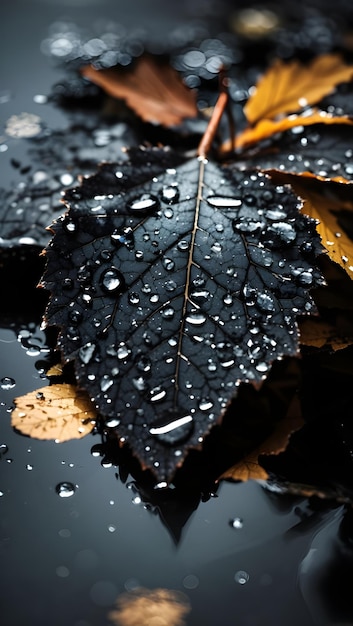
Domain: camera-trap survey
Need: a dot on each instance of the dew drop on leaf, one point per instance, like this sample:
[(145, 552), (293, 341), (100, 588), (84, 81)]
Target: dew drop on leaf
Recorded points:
[(157, 394), (112, 280), (196, 318), (170, 194), (172, 429), (222, 202), (143, 204), (7, 383)]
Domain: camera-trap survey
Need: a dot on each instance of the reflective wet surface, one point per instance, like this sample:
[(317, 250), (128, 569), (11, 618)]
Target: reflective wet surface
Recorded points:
[(84, 541)]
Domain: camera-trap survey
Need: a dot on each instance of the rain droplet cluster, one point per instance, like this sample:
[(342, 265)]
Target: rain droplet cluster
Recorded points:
[(168, 300)]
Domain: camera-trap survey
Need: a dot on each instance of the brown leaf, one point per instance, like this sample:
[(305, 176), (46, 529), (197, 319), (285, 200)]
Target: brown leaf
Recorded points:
[(55, 370), (154, 91), (59, 412), (318, 333), (288, 87), (249, 467), (266, 128)]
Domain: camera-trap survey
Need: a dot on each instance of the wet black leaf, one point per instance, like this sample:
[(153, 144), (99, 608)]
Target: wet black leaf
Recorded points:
[(171, 284), (322, 150), (54, 162)]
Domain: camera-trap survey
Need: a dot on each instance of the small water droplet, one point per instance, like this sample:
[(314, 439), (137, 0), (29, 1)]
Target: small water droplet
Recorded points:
[(196, 318), (7, 383), (86, 352), (205, 404), (168, 313), (124, 237), (65, 489), (223, 202), (139, 255), (134, 297), (170, 194), (157, 394), (29, 467), (143, 204), (236, 523), (106, 382), (70, 226), (200, 296), (168, 264), (227, 299), (241, 577), (3, 449), (123, 351), (183, 245), (265, 302), (139, 383), (170, 285), (262, 367)]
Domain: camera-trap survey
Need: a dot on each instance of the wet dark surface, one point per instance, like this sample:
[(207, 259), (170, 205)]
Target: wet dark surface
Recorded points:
[(243, 555)]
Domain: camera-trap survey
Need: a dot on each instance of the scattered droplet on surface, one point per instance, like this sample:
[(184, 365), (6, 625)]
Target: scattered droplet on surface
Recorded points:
[(7, 383), (65, 489), (143, 204), (241, 577), (236, 523)]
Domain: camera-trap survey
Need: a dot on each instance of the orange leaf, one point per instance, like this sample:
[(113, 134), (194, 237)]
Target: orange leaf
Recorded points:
[(154, 91), (318, 333), (59, 412), (266, 128), (249, 467), (288, 87), (323, 208)]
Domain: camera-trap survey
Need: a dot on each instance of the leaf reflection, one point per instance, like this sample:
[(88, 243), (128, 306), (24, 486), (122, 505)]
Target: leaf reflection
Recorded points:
[(150, 607)]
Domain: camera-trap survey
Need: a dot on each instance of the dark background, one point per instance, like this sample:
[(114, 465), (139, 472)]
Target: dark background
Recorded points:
[(64, 561)]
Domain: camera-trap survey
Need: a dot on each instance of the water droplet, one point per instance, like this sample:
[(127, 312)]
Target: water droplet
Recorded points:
[(7, 383), (236, 523), (170, 194), (143, 204), (69, 226), (275, 214), (196, 318), (173, 428), (67, 283), (168, 264), (143, 363), (205, 404), (170, 285), (112, 280), (168, 313), (183, 245), (219, 228), (285, 232), (265, 302), (227, 299), (113, 422), (123, 351), (248, 224), (241, 577), (124, 237), (157, 394), (222, 202), (262, 367), (200, 296), (86, 352), (106, 382), (139, 383), (29, 467), (134, 297), (3, 450), (65, 490), (139, 255), (75, 316)]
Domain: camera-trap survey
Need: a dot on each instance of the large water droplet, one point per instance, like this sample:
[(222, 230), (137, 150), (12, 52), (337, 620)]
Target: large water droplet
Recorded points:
[(170, 285), (168, 313), (65, 489), (200, 296), (112, 280), (172, 428), (286, 232), (143, 204), (223, 202)]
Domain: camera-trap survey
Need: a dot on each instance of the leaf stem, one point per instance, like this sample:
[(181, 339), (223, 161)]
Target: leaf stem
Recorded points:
[(209, 135)]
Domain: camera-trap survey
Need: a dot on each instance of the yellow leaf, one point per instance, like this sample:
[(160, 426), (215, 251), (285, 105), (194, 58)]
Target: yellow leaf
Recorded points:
[(266, 128), (318, 333), (323, 208), (55, 370), (59, 412), (154, 91), (249, 467), (288, 87)]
